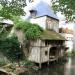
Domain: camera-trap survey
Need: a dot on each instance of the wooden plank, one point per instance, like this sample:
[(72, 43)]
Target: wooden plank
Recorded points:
[(53, 59)]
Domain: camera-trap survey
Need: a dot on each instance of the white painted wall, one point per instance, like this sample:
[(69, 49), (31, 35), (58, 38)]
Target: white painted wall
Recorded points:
[(40, 21), (70, 45), (69, 42)]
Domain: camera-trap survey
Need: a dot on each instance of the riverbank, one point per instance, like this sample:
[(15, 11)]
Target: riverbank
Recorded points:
[(19, 67), (61, 64)]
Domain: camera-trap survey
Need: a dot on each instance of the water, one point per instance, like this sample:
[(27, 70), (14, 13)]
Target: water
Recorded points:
[(56, 68)]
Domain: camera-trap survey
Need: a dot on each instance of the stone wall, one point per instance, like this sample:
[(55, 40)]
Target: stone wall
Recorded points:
[(52, 24)]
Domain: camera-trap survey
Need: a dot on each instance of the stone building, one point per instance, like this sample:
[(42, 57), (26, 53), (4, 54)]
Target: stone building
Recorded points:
[(50, 45), (68, 34)]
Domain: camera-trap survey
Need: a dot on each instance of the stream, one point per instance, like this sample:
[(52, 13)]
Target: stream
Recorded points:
[(62, 67)]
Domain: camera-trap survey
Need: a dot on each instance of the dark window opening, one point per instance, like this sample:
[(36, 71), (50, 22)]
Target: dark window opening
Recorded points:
[(46, 52), (60, 30), (33, 13), (53, 51)]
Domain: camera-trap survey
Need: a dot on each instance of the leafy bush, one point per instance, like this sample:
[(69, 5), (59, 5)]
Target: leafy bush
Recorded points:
[(70, 54), (2, 62), (11, 48), (32, 31), (23, 25), (3, 34), (28, 64)]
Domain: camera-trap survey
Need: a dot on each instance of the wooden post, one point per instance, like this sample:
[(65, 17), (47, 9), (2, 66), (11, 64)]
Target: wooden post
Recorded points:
[(48, 55), (40, 65), (40, 57), (48, 63), (58, 55)]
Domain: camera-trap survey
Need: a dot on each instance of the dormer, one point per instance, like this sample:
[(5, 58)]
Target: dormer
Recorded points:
[(31, 1), (33, 13)]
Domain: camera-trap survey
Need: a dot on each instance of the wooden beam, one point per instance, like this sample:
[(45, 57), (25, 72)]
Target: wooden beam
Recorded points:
[(48, 55), (40, 57)]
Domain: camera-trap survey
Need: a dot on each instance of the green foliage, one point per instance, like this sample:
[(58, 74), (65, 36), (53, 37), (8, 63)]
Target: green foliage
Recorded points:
[(24, 26), (67, 7), (2, 62), (70, 54), (10, 66), (10, 47), (3, 33), (11, 8), (1, 27), (32, 31), (27, 64)]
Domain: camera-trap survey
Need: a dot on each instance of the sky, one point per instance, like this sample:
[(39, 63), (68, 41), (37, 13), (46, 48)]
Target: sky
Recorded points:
[(62, 22), (60, 16)]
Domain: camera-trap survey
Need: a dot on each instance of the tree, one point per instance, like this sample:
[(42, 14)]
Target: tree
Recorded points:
[(10, 47), (67, 7), (10, 8)]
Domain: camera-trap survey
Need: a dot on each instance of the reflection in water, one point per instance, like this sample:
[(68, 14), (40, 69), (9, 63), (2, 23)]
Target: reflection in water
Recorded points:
[(56, 68), (68, 67)]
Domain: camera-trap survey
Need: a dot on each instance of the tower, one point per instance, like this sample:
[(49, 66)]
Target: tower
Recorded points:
[(40, 12)]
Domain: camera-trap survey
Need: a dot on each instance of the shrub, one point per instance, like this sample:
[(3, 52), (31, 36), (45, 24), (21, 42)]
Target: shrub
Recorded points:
[(28, 64), (24, 26), (2, 62), (11, 48), (32, 31), (70, 54)]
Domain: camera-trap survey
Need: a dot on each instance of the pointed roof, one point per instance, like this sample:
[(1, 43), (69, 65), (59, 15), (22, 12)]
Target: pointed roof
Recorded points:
[(43, 9)]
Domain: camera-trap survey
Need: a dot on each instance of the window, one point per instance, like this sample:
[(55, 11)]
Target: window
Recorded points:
[(48, 26), (60, 30), (33, 13), (46, 53)]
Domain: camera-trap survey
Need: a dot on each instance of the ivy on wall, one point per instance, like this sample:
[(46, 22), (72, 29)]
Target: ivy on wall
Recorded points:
[(32, 31), (10, 46)]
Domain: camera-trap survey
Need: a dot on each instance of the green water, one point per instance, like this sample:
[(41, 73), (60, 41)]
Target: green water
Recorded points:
[(66, 67)]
